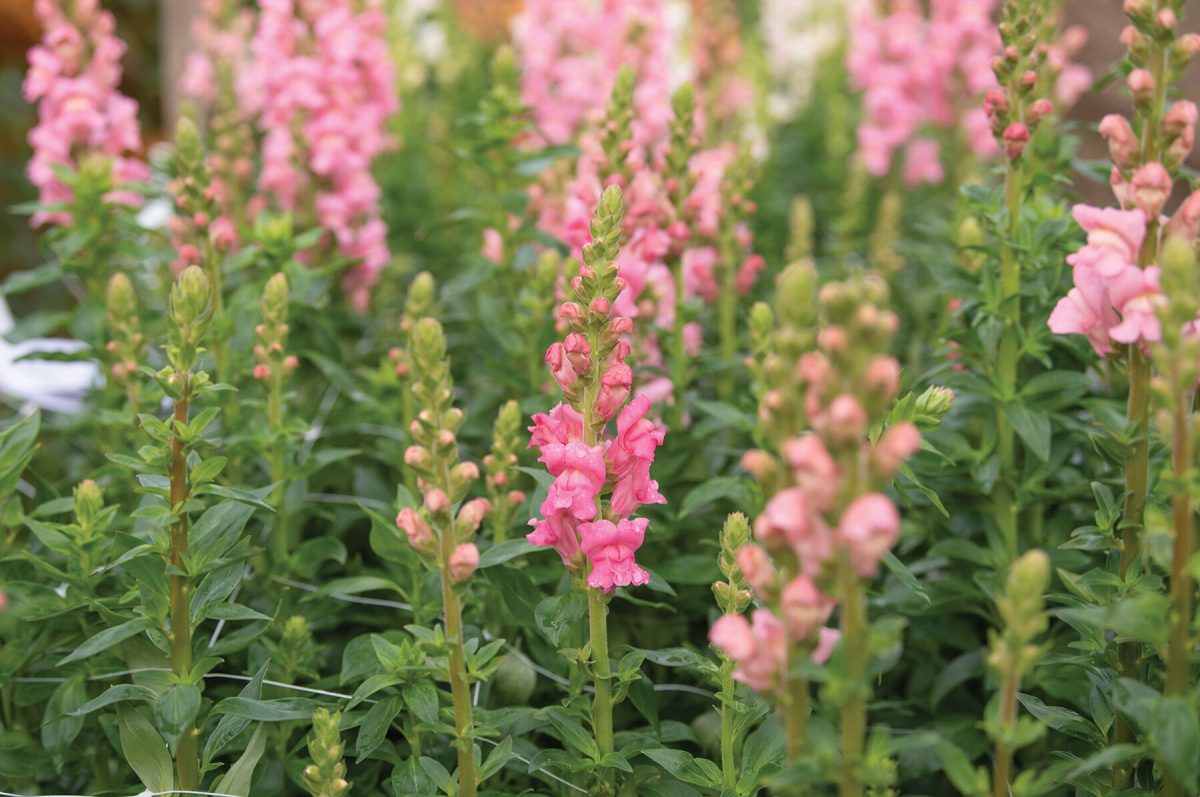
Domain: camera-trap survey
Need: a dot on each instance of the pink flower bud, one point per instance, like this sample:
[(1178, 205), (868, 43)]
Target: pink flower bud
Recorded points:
[(869, 527), (578, 352), (814, 370), (446, 438), (1141, 84), (1122, 143), (467, 471), (1016, 136), (560, 367), (758, 463), (189, 255), (832, 339), (757, 568), (569, 311), (883, 376), (473, 512), (463, 562), (813, 469), (995, 103), (436, 501), (418, 531), (223, 233), (262, 371), (679, 231), (1186, 221), (847, 420), (1151, 187), (516, 498), (805, 608), (620, 325), (200, 220), (493, 245), (416, 456), (290, 363), (1039, 110), (600, 306), (826, 643), (896, 445)]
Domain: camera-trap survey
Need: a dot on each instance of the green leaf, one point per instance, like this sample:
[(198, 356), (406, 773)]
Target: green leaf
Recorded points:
[(970, 780), (207, 470), (1033, 427), (119, 693), (509, 549), (686, 767), (375, 726), (573, 735), (106, 639), (906, 577), (237, 780), (229, 726), (496, 759), (145, 751), (177, 708), (738, 490), (62, 723), (278, 710), (422, 700), (1175, 735), (438, 773)]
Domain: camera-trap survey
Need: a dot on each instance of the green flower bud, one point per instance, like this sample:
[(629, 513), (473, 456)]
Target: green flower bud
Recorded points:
[(191, 297), (800, 239), (89, 500), (796, 289), (602, 251), (504, 66), (428, 343), (120, 300), (326, 776), (421, 295), (275, 299), (936, 402)]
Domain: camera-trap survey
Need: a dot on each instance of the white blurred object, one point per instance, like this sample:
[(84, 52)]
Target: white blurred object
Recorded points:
[(48, 384), (799, 34)]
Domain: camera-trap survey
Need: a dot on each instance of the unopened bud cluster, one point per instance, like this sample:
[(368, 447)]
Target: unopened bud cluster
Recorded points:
[(1023, 615), (197, 222), (189, 316), (270, 357), (443, 480), (1018, 105), (326, 775), (126, 343), (732, 593), (501, 469), (417, 305)]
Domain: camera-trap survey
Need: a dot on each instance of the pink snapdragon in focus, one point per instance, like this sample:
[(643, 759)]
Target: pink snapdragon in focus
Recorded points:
[(920, 73), (73, 76), (322, 83)]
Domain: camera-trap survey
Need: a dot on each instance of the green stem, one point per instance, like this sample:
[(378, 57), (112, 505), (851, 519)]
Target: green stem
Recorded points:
[(280, 544), (679, 360), (797, 716), (459, 689), (854, 709), (602, 723), (728, 764), (1008, 359), (1002, 765), (187, 762)]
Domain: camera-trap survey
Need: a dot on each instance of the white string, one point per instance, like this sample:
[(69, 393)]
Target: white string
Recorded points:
[(146, 793), (545, 772), (287, 582)]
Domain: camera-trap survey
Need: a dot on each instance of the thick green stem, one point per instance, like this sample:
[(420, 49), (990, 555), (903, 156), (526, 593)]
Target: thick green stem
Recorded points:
[(854, 709), (459, 688), (187, 764), (1007, 361), (1002, 765), (728, 764), (602, 723), (679, 358), (797, 716), (280, 544)]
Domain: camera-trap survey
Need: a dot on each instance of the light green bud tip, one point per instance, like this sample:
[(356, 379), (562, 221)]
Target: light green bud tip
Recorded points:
[(120, 299), (1179, 265), (796, 290), (295, 629), (429, 341), (736, 532), (683, 102), (504, 66), (508, 419), (421, 294), (189, 151), (935, 402), (622, 91), (89, 500), (190, 296), (1030, 575)]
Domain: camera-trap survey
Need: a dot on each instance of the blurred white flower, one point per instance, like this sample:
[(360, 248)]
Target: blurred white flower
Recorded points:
[(48, 384), (798, 35)]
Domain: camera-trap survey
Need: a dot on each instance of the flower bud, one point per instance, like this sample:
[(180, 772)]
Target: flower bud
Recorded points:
[(471, 515), (882, 377), (1141, 84), (414, 526), (1016, 136), (805, 608), (1151, 188), (89, 500), (757, 569), (436, 501), (463, 562), (1123, 145), (895, 445), (847, 420)]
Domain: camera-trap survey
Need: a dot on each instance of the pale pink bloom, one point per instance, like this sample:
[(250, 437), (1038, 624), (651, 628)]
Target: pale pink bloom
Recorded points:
[(923, 162), (610, 547), (1151, 188), (814, 469), (579, 472), (463, 561), (1114, 237), (1071, 84), (699, 273), (1139, 316), (1123, 145), (846, 419), (827, 641), (493, 245), (557, 530), (869, 527), (756, 566), (883, 376), (563, 425), (1086, 310), (805, 608), (758, 649), (789, 519), (897, 444), (748, 272), (631, 453), (414, 526), (615, 384)]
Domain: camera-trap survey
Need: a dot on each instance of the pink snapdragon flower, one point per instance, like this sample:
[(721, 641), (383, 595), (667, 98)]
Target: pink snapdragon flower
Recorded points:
[(610, 547), (869, 527), (73, 76), (631, 454), (759, 649), (578, 472)]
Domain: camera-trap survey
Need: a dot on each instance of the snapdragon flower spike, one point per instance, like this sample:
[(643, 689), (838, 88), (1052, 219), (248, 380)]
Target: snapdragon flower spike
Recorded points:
[(1116, 297), (126, 344), (589, 365), (73, 77), (271, 360), (197, 228), (826, 514), (501, 470)]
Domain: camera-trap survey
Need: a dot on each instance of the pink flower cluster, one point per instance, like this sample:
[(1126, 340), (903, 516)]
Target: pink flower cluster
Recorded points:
[(582, 472), (322, 83), (570, 54), (73, 76), (919, 72), (824, 519), (1114, 298)]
